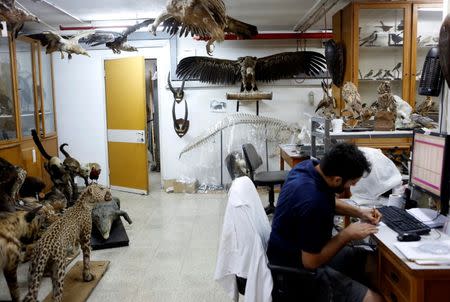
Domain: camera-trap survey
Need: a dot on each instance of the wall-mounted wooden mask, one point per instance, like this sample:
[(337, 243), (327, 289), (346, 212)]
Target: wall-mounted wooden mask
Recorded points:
[(180, 125)]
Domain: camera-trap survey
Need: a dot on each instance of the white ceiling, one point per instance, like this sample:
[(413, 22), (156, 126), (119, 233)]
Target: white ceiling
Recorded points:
[(265, 14)]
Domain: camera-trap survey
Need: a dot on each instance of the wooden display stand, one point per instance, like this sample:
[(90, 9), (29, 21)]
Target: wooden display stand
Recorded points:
[(75, 289), (255, 96)]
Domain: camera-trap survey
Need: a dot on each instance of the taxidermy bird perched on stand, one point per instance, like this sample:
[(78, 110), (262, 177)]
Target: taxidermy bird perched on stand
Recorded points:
[(202, 18), (56, 42), (115, 41), (15, 17), (248, 69)]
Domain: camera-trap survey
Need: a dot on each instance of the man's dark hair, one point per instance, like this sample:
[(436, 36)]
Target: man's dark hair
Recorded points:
[(345, 160)]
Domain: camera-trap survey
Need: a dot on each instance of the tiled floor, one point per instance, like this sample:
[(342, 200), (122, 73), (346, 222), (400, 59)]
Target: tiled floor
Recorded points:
[(172, 253)]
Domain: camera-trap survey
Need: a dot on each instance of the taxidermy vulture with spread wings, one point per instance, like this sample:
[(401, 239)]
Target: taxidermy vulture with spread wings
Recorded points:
[(115, 41), (56, 42), (15, 17), (249, 70), (202, 18)]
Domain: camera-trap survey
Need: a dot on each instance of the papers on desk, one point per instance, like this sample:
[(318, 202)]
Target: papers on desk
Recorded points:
[(429, 217), (426, 252)]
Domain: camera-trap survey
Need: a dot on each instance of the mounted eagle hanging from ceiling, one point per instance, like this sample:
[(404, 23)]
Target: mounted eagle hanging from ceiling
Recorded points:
[(115, 41), (249, 70), (205, 18), (55, 42), (15, 17)]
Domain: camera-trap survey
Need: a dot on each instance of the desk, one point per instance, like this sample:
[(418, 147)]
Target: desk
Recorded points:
[(289, 153), (400, 280)]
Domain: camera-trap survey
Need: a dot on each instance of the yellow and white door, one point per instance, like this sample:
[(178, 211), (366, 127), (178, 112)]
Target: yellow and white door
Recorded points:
[(126, 123)]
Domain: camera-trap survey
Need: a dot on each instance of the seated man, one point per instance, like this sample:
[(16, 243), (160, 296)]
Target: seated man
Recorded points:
[(304, 218)]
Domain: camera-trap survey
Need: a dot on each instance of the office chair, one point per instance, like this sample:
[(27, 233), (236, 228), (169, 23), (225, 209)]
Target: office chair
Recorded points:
[(263, 179), (244, 239)]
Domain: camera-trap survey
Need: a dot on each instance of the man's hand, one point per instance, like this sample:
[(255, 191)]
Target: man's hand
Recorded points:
[(358, 230), (372, 216)]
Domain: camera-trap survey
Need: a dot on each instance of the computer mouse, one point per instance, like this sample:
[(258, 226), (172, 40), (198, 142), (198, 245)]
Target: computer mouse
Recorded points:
[(408, 237)]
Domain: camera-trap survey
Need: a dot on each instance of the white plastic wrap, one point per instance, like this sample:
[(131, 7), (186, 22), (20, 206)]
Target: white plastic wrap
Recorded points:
[(383, 177)]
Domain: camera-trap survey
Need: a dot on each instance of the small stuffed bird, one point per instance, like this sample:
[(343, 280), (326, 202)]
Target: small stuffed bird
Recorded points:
[(396, 38), (384, 27), (388, 74), (369, 74), (378, 74), (56, 42), (424, 108), (397, 69), (401, 26), (369, 39)]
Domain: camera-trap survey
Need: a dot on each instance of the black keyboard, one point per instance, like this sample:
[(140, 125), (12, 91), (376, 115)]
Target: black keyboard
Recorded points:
[(401, 221)]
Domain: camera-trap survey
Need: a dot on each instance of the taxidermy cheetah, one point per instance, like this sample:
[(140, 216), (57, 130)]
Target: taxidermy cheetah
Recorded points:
[(50, 251), (14, 227)]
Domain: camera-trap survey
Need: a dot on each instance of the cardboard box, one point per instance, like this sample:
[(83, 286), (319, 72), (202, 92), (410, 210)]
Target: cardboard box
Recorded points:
[(178, 186), (191, 187), (168, 183)]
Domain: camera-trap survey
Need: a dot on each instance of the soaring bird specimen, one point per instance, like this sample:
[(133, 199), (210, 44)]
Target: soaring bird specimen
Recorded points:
[(115, 41), (15, 17), (203, 18), (248, 69), (334, 54), (56, 42), (384, 27)]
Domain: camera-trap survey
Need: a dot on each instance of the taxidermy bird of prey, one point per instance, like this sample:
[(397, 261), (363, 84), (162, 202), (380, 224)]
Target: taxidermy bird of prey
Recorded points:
[(202, 18), (56, 42), (248, 69), (115, 41), (15, 17), (334, 54)]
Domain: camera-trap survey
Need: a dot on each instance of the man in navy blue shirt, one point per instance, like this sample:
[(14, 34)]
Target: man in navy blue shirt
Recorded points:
[(304, 218)]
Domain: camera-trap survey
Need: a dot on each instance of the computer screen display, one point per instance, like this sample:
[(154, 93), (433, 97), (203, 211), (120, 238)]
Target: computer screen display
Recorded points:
[(428, 162)]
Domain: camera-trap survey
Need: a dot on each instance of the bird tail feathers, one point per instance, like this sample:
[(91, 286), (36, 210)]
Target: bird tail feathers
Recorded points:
[(241, 29)]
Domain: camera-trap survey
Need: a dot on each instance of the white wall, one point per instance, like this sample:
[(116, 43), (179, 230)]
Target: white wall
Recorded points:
[(80, 104), (80, 101)]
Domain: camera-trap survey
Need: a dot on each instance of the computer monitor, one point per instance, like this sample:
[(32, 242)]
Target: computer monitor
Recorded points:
[(430, 166)]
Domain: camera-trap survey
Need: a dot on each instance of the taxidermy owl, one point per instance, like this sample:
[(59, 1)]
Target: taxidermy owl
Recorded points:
[(249, 70), (202, 18)]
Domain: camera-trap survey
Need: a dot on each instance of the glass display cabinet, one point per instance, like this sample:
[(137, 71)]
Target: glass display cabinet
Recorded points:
[(380, 44), (8, 128)]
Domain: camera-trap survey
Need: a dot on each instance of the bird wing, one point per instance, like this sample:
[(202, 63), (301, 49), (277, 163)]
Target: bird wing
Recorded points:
[(81, 35), (46, 37), (9, 3), (133, 28), (334, 55), (209, 70), (172, 26), (241, 29), (99, 37), (216, 10), (288, 64)]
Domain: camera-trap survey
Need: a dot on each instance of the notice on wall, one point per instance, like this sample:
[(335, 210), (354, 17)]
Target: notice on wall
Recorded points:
[(4, 32)]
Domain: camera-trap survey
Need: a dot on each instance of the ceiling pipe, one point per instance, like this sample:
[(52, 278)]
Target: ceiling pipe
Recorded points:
[(263, 36), (316, 13), (278, 36), (60, 10)]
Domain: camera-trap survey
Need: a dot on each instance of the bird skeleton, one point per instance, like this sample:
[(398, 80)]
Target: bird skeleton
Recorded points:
[(115, 41), (272, 126), (248, 69), (14, 16), (56, 42), (203, 18)]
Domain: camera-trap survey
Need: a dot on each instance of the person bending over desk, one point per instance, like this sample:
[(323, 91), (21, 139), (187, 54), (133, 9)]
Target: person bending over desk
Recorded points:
[(304, 218)]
